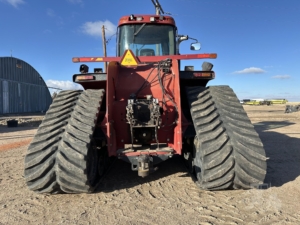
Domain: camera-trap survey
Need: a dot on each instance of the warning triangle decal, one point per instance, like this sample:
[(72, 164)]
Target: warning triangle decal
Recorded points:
[(129, 59)]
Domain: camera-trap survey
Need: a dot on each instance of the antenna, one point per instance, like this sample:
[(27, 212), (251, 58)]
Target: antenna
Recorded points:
[(158, 8)]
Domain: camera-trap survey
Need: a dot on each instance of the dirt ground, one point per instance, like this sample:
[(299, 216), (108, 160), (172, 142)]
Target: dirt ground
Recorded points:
[(167, 196)]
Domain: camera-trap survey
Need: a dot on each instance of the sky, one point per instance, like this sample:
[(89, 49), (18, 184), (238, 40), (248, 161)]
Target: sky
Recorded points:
[(257, 41)]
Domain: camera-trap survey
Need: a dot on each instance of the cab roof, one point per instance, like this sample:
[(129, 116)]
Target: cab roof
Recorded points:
[(152, 19)]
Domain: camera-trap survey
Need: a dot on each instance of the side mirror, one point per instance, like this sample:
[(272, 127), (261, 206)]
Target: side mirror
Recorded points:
[(195, 46)]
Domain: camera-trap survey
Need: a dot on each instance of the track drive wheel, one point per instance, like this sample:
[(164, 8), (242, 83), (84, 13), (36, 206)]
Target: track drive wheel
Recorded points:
[(228, 152), (62, 158)]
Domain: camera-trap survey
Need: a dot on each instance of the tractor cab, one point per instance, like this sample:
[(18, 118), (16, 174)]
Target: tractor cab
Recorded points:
[(149, 35)]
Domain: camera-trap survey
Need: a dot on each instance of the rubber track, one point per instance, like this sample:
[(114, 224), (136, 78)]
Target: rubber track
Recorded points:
[(56, 160), (229, 152)]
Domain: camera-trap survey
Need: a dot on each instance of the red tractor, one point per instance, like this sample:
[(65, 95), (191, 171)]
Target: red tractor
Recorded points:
[(145, 110)]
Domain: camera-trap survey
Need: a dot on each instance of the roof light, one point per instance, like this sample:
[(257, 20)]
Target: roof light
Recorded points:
[(152, 19), (139, 18)]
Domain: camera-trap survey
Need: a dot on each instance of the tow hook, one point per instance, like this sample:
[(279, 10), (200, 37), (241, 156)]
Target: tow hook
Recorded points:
[(144, 165)]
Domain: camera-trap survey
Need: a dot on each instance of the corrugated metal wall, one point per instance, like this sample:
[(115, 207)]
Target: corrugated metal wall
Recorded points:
[(22, 89)]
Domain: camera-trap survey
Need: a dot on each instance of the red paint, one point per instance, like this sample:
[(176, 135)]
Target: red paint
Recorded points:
[(123, 81)]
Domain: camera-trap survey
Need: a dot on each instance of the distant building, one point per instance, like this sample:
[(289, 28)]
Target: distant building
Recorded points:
[(22, 89)]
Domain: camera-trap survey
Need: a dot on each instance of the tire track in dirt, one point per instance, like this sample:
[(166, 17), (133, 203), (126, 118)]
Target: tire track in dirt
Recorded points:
[(168, 196), (169, 191)]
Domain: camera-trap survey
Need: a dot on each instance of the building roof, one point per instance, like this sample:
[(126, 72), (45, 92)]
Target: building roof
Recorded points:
[(14, 69)]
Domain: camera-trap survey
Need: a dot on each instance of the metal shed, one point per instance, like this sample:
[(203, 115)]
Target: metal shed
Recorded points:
[(22, 89)]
